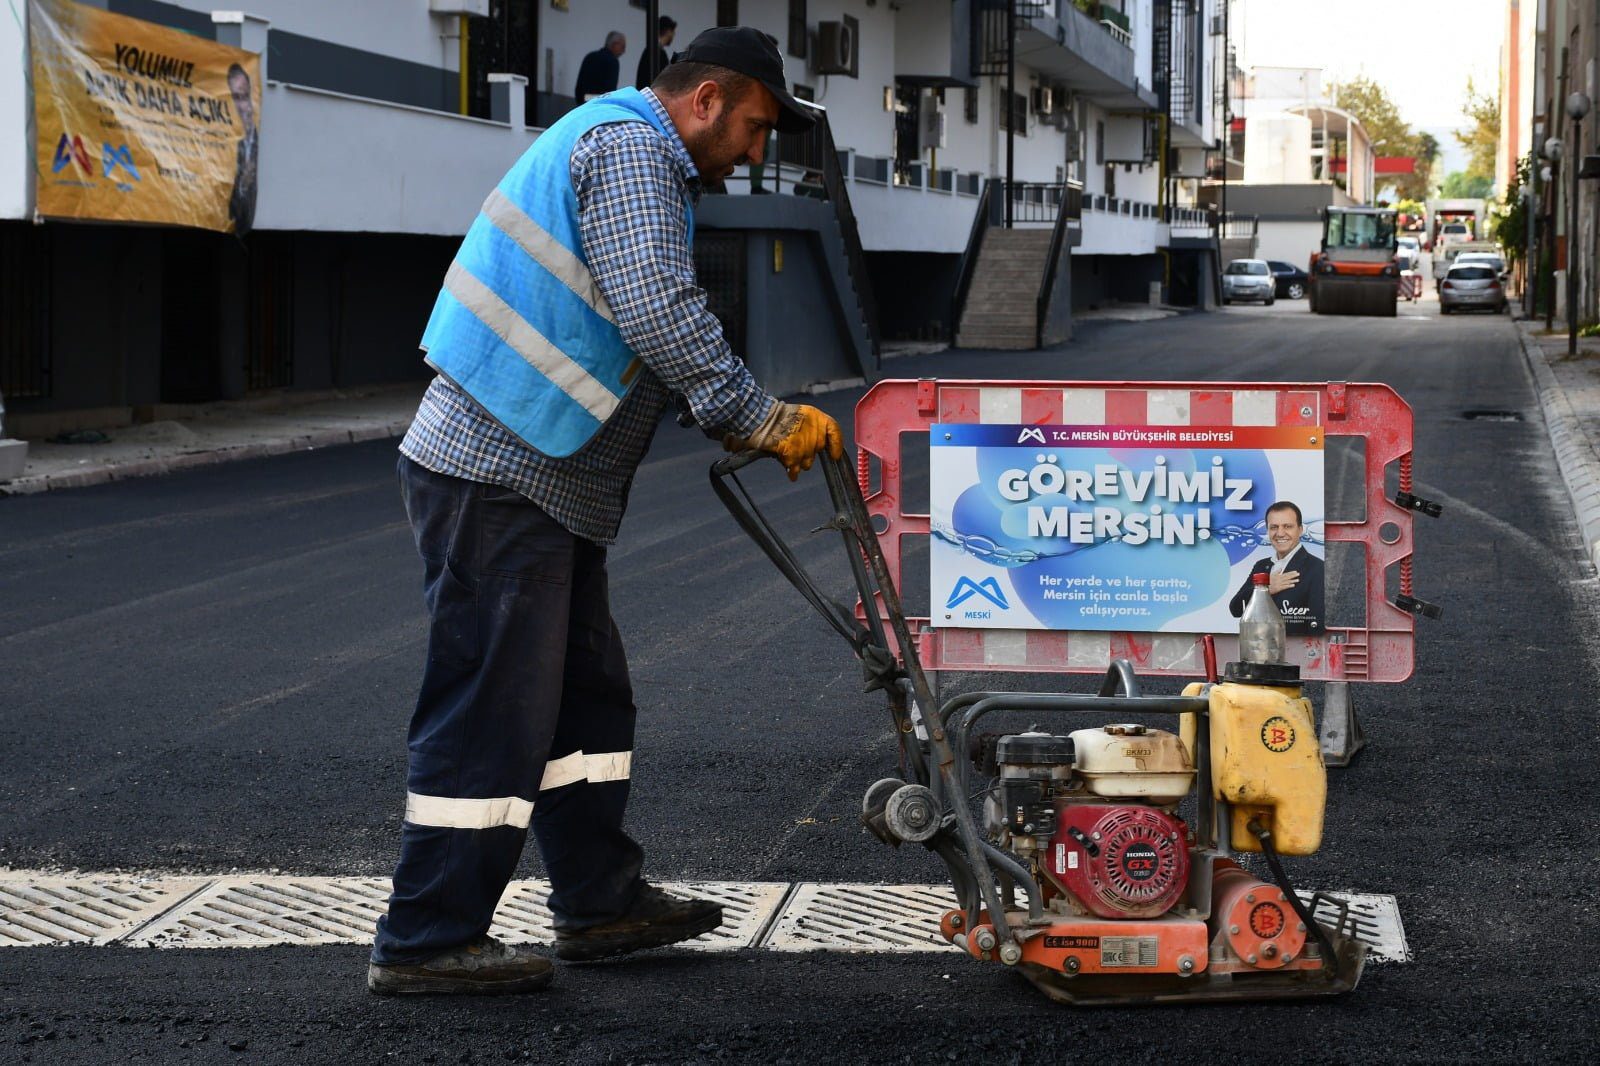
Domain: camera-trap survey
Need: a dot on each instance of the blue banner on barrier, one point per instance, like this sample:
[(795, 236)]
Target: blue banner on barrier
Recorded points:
[(1124, 528)]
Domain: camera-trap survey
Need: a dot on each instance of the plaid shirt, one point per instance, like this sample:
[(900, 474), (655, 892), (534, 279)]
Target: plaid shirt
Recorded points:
[(633, 187)]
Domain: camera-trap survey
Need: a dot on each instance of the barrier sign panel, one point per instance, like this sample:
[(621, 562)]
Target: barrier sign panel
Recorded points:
[(139, 123), (1124, 528)]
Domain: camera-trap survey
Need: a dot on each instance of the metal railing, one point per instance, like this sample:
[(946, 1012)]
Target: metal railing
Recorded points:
[(1237, 227), (1030, 201), (836, 190), (1071, 208), (969, 258)]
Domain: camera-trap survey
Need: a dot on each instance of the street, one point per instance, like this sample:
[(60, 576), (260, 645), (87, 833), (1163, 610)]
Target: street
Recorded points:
[(211, 672)]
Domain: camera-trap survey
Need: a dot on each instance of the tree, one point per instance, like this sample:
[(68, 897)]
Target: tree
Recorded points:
[(1481, 138), (1509, 225), (1391, 135), (1459, 185), (1417, 186)]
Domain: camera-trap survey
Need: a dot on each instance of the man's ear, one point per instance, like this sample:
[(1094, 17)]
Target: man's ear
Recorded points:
[(707, 97)]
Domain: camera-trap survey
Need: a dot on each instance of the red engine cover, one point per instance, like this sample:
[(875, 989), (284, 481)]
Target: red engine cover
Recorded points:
[(1121, 862)]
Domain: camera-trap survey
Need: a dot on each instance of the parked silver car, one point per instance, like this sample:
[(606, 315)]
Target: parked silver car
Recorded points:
[(1471, 285), (1249, 279)]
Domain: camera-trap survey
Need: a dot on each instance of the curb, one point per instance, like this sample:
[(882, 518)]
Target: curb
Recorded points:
[(75, 479), (1575, 452)]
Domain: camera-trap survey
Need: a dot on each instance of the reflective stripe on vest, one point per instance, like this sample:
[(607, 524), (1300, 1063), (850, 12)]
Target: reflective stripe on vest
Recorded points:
[(520, 324)]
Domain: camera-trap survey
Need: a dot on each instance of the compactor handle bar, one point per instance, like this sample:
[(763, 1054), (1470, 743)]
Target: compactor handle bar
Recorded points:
[(874, 582)]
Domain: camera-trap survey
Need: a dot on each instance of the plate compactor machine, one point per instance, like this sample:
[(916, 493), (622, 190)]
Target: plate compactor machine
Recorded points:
[(1092, 856)]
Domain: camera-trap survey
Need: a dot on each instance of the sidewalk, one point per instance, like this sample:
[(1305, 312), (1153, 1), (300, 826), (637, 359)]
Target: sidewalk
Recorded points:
[(1569, 393), (221, 432)]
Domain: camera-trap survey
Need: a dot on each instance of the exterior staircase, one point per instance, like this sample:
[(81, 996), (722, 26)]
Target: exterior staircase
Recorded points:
[(1002, 305)]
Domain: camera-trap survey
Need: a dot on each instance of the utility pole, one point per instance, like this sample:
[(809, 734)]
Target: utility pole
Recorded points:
[(1010, 111), (1577, 108), (652, 37), (1227, 118)]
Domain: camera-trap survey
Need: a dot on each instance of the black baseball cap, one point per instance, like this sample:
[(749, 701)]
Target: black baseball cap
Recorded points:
[(755, 54)]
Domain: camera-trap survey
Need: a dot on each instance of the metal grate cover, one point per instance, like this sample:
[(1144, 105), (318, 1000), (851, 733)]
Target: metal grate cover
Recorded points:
[(524, 916), (256, 912), (83, 910), (863, 918), (196, 912), (238, 912)]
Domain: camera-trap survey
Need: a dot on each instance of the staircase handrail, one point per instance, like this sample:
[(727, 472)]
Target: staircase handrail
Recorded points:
[(969, 257), (1071, 207), (815, 148)]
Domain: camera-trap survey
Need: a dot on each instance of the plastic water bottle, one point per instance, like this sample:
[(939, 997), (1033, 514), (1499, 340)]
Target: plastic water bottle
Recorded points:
[(1262, 637)]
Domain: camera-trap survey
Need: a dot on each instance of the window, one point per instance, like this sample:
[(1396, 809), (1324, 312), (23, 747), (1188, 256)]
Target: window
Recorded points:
[(1471, 273), (1100, 143), (1018, 117), (1247, 266), (797, 28), (727, 12), (972, 107)]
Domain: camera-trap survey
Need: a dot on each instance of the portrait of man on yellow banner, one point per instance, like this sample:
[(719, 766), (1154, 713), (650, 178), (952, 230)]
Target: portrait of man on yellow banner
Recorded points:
[(139, 123)]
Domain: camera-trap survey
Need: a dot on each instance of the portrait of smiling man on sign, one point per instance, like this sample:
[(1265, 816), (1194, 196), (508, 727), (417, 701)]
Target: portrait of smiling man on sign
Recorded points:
[(1295, 581)]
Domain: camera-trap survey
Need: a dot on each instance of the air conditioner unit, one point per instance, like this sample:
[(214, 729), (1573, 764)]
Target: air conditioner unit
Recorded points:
[(1044, 101), (839, 47), (1219, 25)]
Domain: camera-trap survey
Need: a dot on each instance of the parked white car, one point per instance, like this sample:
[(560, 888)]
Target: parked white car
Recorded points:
[(1249, 279)]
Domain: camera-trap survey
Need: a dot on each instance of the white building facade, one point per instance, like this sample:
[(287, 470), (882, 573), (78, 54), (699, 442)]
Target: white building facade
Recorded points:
[(385, 122)]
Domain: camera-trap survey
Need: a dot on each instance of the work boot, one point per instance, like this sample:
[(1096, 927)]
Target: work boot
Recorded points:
[(655, 920), (484, 967)]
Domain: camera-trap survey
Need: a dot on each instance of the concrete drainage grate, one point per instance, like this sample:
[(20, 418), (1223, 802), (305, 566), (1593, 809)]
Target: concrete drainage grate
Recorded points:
[(863, 918), (83, 910), (244, 912), (256, 912), (524, 914)]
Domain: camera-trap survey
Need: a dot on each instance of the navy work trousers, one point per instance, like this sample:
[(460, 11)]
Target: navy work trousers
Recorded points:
[(525, 717)]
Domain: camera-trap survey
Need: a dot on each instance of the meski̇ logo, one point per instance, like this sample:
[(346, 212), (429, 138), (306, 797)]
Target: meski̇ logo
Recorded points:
[(1033, 433), (966, 588)]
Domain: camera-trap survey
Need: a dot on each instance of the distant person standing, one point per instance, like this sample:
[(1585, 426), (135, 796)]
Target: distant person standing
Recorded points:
[(600, 70), (666, 30)]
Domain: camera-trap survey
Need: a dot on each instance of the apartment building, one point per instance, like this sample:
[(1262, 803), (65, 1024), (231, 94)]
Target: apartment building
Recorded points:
[(1044, 156), (1548, 96)]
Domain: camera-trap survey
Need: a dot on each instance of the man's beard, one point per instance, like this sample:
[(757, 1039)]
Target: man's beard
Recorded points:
[(715, 145)]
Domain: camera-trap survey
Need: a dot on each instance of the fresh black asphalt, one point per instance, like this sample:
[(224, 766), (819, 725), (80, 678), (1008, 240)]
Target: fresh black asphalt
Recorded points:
[(213, 671)]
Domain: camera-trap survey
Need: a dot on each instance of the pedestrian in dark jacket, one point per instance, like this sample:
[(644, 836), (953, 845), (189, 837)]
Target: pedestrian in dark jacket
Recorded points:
[(666, 30), (600, 70)]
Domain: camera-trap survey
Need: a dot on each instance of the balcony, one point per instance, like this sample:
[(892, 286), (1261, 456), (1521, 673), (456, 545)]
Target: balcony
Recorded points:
[(1091, 54)]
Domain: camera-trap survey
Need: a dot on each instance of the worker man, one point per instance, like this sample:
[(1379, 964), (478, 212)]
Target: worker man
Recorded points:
[(666, 30), (1295, 575), (600, 70), (568, 321)]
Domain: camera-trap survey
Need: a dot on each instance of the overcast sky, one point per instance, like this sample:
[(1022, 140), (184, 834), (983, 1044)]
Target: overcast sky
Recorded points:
[(1425, 76)]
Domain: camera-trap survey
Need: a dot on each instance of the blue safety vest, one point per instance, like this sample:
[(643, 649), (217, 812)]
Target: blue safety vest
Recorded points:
[(520, 325)]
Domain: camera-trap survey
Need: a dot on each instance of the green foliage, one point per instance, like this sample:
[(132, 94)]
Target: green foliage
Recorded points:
[(1481, 138), (1509, 225), (1461, 185), (1391, 135)]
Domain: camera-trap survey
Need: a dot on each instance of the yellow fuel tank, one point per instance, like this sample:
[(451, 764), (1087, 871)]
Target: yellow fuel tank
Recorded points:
[(1266, 760)]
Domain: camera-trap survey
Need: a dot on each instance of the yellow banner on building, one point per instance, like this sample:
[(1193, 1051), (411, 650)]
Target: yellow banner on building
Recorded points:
[(140, 123)]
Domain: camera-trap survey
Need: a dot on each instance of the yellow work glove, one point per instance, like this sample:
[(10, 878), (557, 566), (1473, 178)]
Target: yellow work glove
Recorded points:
[(795, 433)]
